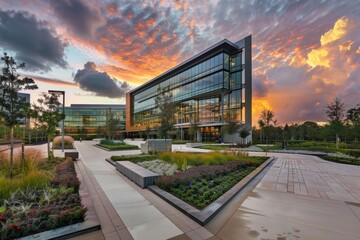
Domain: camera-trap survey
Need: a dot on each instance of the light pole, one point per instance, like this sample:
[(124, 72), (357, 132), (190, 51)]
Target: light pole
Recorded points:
[(63, 112)]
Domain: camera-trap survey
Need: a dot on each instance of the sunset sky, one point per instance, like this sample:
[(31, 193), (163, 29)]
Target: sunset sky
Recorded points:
[(305, 53)]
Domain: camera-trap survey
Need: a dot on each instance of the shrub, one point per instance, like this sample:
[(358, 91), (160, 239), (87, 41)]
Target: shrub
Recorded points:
[(200, 172), (135, 158), (65, 175), (199, 186), (34, 180), (119, 147), (196, 159), (68, 142), (112, 143)]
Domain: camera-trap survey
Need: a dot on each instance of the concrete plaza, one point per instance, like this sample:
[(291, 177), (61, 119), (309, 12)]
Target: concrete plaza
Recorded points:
[(300, 197)]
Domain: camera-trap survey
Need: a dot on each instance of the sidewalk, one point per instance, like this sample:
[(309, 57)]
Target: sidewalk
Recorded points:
[(125, 210), (300, 197)]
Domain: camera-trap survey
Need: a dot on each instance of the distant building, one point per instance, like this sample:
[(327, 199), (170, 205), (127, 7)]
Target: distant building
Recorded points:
[(206, 88), (89, 120)]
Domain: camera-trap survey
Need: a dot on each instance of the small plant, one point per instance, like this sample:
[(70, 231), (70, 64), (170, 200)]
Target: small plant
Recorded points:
[(68, 142), (65, 175)]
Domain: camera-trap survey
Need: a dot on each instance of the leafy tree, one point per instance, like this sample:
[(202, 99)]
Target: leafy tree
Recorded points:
[(335, 112), (265, 122), (244, 133), (312, 130), (47, 116), (13, 107), (110, 124), (147, 131), (166, 112), (231, 127), (353, 116), (193, 130)]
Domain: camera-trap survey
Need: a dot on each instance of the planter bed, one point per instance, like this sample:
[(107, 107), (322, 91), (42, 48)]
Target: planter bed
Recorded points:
[(199, 186), (29, 211), (116, 147), (205, 214)]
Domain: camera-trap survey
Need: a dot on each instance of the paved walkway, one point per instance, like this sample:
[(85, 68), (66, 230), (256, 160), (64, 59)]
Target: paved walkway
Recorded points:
[(125, 210), (301, 197)]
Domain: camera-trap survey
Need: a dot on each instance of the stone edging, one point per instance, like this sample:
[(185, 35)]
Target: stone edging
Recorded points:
[(205, 215), (90, 224)]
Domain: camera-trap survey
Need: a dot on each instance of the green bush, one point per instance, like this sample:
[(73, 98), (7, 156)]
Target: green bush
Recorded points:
[(135, 158), (200, 186), (196, 159), (343, 160), (111, 143), (216, 147), (34, 180), (119, 147)]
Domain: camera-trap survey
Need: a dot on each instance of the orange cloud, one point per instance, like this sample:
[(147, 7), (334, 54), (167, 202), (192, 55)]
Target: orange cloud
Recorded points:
[(318, 57)]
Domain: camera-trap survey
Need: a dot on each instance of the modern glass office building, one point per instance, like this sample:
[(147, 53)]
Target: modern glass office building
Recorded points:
[(89, 120), (207, 88)]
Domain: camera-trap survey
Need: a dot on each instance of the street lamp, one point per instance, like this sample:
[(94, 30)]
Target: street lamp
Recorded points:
[(63, 111)]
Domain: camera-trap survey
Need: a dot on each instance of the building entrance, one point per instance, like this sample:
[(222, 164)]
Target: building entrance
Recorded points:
[(210, 134)]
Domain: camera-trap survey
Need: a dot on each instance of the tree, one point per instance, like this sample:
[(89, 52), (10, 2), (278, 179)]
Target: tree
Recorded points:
[(311, 130), (193, 130), (147, 131), (110, 124), (244, 133), (265, 122), (231, 127), (353, 116), (335, 112), (47, 116), (166, 112), (13, 107)]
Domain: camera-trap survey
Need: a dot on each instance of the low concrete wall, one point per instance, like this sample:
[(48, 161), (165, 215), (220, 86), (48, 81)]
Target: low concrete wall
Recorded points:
[(192, 145), (156, 145), (73, 154), (139, 175)]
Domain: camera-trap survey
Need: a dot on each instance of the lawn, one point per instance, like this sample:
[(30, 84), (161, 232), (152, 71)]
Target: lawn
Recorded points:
[(202, 178), (42, 195)]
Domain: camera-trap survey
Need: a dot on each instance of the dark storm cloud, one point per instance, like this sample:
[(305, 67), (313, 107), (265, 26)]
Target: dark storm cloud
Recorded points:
[(261, 85), (100, 83), (81, 18), (33, 41)]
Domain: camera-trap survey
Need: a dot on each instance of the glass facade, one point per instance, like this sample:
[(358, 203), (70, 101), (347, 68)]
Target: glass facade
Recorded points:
[(220, 74), (206, 90), (90, 120)]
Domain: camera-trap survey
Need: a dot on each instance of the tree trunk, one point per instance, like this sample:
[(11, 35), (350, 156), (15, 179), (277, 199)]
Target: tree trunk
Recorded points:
[(337, 141), (11, 150), (48, 146)]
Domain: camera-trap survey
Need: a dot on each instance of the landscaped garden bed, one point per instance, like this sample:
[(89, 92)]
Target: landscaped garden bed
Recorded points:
[(207, 176), (116, 145), (344, 160), (135, 158), (42, 195)]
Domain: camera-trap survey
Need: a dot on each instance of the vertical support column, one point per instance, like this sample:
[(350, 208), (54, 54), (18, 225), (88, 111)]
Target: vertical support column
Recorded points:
[(245, 44), (222, 115)]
